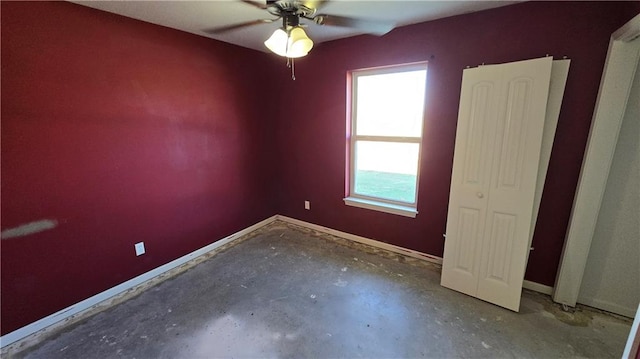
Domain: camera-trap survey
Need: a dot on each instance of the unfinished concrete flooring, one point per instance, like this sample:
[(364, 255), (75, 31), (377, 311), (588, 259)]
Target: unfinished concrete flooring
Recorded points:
[(290, 293)]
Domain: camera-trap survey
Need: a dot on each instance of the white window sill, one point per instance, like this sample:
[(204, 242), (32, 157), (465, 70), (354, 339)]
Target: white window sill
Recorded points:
[(381, 206)]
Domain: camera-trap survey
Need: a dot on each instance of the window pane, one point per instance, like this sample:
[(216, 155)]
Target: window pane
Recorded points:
[(390, 104), (386, 170)]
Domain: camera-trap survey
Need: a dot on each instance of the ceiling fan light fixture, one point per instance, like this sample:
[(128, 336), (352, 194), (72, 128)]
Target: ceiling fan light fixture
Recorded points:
[(299, 43), (293, 44), (277, 43)]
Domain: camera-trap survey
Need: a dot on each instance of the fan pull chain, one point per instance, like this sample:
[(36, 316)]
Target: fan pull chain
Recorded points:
[(290, 60), (292, 65)]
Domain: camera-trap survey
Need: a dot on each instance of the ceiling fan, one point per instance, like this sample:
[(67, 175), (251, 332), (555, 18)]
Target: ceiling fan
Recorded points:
[(290, 40)]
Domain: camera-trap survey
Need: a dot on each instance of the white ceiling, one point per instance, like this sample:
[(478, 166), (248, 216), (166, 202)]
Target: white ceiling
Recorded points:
[(195, 16)]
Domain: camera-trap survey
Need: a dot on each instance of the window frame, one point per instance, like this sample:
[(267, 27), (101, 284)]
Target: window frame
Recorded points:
[(370, 202)]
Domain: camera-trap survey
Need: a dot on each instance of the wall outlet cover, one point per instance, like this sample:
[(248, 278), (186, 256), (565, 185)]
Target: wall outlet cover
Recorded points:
[(140, 249)]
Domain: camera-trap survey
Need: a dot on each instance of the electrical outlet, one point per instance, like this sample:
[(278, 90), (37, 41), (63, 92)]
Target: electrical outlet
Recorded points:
[(307, 205), (139, 248)]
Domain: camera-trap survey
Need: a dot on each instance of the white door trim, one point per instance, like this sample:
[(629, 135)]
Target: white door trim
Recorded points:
[(633, 342), (617, 78)]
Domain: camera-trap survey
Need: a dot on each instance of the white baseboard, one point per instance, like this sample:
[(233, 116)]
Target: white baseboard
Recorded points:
[(536, 287), (629, 312), (94, 301), (364, 240)]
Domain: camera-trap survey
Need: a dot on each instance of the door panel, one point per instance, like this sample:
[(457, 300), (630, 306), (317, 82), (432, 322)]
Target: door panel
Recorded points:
[(468, 227), (514, 135), (471, 176), (513, 183), (559, 73), (476, 150), (500, 246)]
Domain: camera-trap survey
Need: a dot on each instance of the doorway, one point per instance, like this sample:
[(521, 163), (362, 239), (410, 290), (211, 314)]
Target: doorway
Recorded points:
[(611, 106)]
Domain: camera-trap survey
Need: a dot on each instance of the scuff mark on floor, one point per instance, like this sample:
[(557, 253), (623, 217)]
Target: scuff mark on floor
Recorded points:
[(340, 283), (578, 318)]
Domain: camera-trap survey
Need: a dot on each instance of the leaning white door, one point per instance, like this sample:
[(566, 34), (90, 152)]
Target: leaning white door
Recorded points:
[(494, 179), (513, 182), (479, 104)]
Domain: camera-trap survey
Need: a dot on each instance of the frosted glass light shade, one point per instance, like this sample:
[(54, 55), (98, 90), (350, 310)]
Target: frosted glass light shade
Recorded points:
[(295, 44), (278, 42)]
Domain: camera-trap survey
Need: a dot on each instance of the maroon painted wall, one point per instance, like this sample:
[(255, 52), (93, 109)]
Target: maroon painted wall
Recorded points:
[(121, 131), (311, 133)]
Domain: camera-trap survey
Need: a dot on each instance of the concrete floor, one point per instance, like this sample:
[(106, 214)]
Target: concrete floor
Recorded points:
[(290, 293)]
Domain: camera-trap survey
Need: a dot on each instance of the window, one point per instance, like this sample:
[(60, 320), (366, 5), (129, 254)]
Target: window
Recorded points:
[(385, 135)]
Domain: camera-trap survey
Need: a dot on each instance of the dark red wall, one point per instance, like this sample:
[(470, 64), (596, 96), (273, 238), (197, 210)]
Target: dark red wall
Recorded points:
[(123, 132), (311, 132)]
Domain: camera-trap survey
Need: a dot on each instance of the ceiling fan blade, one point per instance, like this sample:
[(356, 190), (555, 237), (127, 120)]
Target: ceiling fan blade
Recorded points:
[(367, 26), (255, 4), (223, 29)]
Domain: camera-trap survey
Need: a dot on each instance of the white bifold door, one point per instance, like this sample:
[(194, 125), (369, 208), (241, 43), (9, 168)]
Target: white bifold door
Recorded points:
[(495, 185)]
